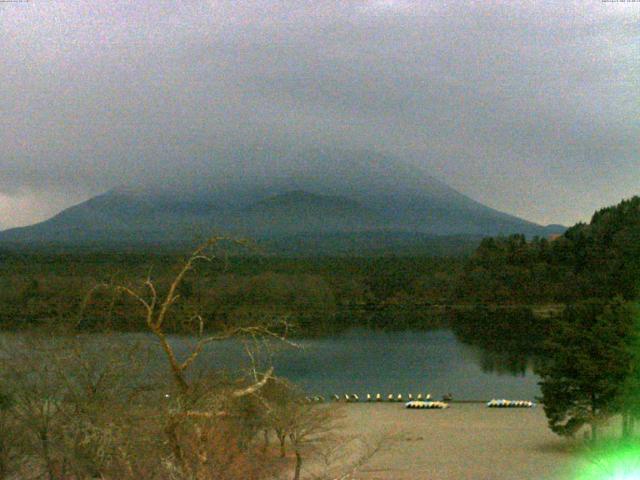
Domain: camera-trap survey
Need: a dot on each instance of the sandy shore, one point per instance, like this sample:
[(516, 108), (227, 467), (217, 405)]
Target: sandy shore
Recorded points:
[(466, 441)]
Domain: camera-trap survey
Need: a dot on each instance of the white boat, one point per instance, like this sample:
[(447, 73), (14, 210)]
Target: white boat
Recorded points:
[(426, 405)]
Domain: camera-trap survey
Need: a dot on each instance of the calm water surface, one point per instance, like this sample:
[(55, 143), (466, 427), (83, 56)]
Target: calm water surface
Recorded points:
[(364, 361)]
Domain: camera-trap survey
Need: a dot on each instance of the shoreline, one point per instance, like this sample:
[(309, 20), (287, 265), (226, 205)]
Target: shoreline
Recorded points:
[(465, 441)]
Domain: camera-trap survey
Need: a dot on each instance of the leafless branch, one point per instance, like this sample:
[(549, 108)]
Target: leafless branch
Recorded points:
[(255, 387)]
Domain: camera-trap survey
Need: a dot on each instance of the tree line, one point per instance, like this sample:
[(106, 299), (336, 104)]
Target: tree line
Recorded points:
[(596, 260), (321, 294)]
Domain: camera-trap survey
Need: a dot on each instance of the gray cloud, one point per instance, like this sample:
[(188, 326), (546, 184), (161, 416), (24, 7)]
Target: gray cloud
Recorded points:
[(530, 108)]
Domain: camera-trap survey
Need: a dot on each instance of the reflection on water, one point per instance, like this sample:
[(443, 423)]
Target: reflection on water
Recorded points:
[(365, 361), (507, 341), (504, 363)]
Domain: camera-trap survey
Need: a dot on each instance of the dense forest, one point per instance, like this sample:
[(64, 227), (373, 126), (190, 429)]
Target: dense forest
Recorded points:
[(316, 293), (596, 260), (321, 294)]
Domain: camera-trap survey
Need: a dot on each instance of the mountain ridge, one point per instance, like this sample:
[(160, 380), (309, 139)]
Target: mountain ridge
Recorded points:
[(326, 194)]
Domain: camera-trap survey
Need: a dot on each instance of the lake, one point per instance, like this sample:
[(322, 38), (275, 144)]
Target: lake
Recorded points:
[(359, 361), (366, 361)]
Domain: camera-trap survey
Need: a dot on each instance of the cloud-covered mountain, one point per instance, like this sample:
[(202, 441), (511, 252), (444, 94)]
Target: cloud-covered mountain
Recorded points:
[(271, 194)]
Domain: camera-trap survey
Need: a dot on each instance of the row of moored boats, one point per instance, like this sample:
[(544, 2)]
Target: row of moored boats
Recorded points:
[(419, 401), (428, 404), (354, 398), (502, 403)]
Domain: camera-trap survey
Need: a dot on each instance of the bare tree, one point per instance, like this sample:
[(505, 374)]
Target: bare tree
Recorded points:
[(191, 406), (305, 426), (84, 406), (344, 457), (6, 447), (311, 426), (37, 407), (70, 409)]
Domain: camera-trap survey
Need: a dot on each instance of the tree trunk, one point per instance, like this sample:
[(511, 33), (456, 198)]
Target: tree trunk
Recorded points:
[(4, 464), (266, 440), (625, 424), (171, 430), (594, 418), (282, 449), (44, 441), (296, 475)]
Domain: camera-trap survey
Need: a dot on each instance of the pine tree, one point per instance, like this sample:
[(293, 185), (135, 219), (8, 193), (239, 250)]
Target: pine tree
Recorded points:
[(587, 366), (630, 398)]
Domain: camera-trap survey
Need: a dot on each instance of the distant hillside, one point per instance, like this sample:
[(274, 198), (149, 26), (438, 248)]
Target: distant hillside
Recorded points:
[(600, 259), (350, 197)]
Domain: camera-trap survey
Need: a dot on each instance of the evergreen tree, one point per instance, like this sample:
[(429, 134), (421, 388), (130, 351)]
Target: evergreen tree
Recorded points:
[(630, 399), (587, 365)]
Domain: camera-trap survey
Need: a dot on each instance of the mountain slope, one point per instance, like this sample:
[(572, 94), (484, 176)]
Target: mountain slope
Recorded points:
[(317, 193), (303, 212)]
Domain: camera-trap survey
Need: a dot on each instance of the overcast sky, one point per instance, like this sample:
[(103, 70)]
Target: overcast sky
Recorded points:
[(532, 108)]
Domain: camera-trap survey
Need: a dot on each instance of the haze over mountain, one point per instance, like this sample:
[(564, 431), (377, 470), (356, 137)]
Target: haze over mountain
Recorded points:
[(274, 194), (504, 101)]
